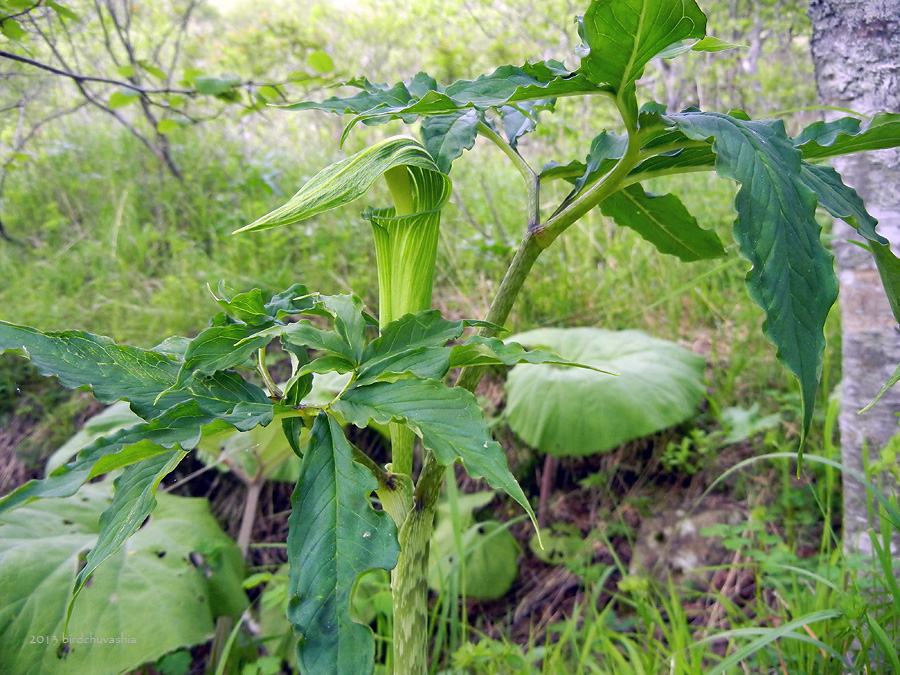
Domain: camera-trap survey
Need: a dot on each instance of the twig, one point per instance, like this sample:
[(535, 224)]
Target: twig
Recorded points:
[(79, 78)]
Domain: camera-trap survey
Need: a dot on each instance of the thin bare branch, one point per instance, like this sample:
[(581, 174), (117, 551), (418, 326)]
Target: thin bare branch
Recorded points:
[(79, 78)]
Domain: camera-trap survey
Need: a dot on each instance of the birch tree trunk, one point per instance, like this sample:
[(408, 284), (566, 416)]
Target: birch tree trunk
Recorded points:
[(856, 52)]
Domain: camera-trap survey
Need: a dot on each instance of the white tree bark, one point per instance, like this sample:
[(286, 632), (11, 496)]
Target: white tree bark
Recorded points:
[(856, 52)]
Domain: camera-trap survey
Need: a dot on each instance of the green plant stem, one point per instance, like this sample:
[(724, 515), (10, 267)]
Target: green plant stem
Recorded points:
[(531, 178)]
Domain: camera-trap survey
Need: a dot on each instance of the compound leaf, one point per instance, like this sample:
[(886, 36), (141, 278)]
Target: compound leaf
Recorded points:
[(449, 421)]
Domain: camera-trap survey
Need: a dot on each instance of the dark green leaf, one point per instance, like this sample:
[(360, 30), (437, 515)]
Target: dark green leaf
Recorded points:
[(843, 202), (447, 136), (179, 426), (490, 351), (622, 36), (414, 344), (792, 277), (606, 148), (830, 139), (349, 322), (422, 96), (117, 372), (449, 421), (295, 300), (664, 222), (219, 348), (521, 119), (334, 536), (134, 499)]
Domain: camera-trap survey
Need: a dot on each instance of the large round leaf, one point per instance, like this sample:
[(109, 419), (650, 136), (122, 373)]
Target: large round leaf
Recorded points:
[(574, 411), (161, 591)]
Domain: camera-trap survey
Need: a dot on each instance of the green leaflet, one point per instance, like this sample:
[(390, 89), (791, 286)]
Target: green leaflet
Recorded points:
[(664, 222), (133, 500), (822, 140), (521, 118), (250, 307), (117, 372), (422, 96), (350, 179), (491, 351), (843, 202), (792, 277), (414, 343), (219, 348), (449, 421), (178, 426), (447, 136), (622, 36), (334, 536)]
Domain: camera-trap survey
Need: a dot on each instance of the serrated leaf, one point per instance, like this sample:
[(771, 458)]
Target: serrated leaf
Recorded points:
[(117, 372), (491, 351), (423, 97), (792, 277), (664, 222), (349, 179), (822, 140), (449, 421), (122, 98), (41, 547), (334, 536), (843, 202), (133, 501), (215, 86), (521, 118), (622, 36), (414, 343), (577, 412), (447, 136), (219, 348)]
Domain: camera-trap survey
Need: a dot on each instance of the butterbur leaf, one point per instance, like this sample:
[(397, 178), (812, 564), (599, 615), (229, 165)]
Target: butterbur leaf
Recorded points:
[(134, 499), (334, 536), (177, 574), (659, 384), (664, 222), (622, 36), (792, 277), (447, 136), (448, 420), (822, 140)]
